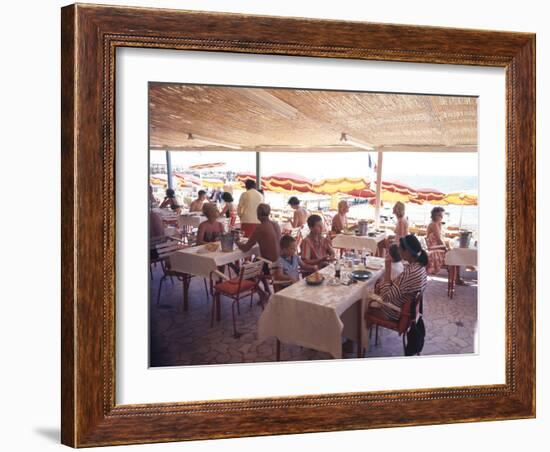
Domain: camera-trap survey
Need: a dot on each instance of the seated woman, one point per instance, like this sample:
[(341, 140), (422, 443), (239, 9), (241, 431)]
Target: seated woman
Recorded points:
[(287, 270), (407, 284), (211, 229), (340, 220), (402, 226), (170, 200), (316, 249), (300, 214), (436, 246), (229, 209)]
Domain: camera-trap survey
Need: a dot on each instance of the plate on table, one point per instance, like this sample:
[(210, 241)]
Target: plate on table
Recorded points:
[(361, 275), (315, 279)]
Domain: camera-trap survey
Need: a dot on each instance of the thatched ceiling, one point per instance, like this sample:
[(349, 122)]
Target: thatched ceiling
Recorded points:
[(387, 121)]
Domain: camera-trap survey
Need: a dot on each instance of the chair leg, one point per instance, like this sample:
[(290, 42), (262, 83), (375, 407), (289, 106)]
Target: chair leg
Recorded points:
[(214, 300), (238, 307), (278, 350), (251, 295), (206, 289), (160, 288), (235, 334), (376, 336), (404, 344)]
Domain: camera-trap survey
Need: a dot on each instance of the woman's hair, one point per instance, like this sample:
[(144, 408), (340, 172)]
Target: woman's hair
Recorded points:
[(170, 193), (312, 220), (286, 240), (411, 244), (249, 183), (394, 253), (294, 201), (227, 196), (399, 208), (209, 208), (436, 211)]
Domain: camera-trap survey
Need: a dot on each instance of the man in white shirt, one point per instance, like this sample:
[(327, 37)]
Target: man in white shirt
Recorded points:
[(248, 205)]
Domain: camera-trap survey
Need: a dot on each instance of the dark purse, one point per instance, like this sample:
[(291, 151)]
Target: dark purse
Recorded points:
[(415, 338)]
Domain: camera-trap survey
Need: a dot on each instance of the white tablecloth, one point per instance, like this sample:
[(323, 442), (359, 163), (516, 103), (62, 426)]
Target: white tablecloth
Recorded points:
[(189, 261), (461, 256), (358, 242), (317, 316)]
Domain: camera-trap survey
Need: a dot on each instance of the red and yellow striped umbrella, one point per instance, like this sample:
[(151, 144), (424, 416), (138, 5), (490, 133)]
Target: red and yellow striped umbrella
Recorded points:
[(287, 182), (243, 177), (366, 193), (187, 180), (428, 195)]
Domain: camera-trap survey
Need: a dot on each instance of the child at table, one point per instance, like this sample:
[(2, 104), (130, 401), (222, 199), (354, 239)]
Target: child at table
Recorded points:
[(396, 265), (287, 269)]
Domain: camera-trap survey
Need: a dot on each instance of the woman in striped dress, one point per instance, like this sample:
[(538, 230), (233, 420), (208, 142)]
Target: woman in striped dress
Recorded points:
[(413, 279), (436, 246)]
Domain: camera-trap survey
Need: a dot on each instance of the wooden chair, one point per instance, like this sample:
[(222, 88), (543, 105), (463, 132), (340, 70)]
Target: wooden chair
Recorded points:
[(245, 285), (164, 251), (407, 316)]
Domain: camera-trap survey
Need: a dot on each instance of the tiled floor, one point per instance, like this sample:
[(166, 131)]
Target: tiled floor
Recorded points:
[(180, 338)]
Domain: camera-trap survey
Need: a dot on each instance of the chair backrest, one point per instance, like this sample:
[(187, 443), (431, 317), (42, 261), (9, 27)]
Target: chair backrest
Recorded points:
[(251, 270), (409, 311), (164, 250)]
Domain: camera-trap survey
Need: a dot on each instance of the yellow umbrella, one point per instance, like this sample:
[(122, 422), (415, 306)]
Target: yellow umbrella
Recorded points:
[(340, 185), (212, 183), (392, 196), (460, 199)]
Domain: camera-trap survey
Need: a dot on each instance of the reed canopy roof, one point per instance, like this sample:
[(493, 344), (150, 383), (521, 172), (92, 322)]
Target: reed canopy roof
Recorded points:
[(204, 117)]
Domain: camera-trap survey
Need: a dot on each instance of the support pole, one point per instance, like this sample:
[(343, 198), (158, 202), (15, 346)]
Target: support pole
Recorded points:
[(258, 171), (378, 189), (169, 169)]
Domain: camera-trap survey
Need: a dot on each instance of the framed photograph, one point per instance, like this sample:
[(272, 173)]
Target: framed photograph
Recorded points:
[(281, 225)]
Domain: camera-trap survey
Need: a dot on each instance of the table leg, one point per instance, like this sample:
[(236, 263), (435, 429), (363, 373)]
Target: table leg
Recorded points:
[(360, 328), (452, 280), (186, 281), (278, 350)]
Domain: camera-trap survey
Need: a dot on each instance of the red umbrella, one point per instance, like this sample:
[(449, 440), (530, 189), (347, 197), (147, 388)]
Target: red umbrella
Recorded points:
[(187, 179), (428, 195), (364, 193), (398, 187), (243, 177), (285, 182)]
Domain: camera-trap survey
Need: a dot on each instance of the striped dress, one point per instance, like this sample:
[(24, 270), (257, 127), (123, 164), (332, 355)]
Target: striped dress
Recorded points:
[(407, 284)]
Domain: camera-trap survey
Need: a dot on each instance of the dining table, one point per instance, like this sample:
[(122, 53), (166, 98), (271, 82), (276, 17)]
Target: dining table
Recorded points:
[(198, 261), (317, 317), (352, 241), (454, 259)]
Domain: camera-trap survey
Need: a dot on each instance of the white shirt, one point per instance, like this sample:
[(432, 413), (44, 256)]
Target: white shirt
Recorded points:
[(396, 269), (248, 204)]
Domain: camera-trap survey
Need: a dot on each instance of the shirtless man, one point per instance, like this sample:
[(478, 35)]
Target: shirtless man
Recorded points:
[(267, 235), (300, 214), (196, 205)]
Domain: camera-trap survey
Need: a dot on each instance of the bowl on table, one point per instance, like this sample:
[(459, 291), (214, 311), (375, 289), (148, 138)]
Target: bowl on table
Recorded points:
[(315, 279), (361, 275)]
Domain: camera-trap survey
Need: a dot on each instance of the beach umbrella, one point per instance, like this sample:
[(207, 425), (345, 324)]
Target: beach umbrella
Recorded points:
[(158, 180), (243, 177), (212, 182), (203, 166), (392, 192), (287, 182), (460, 199), (187, 180), (365, 193), (430, 195), (340, 185)]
